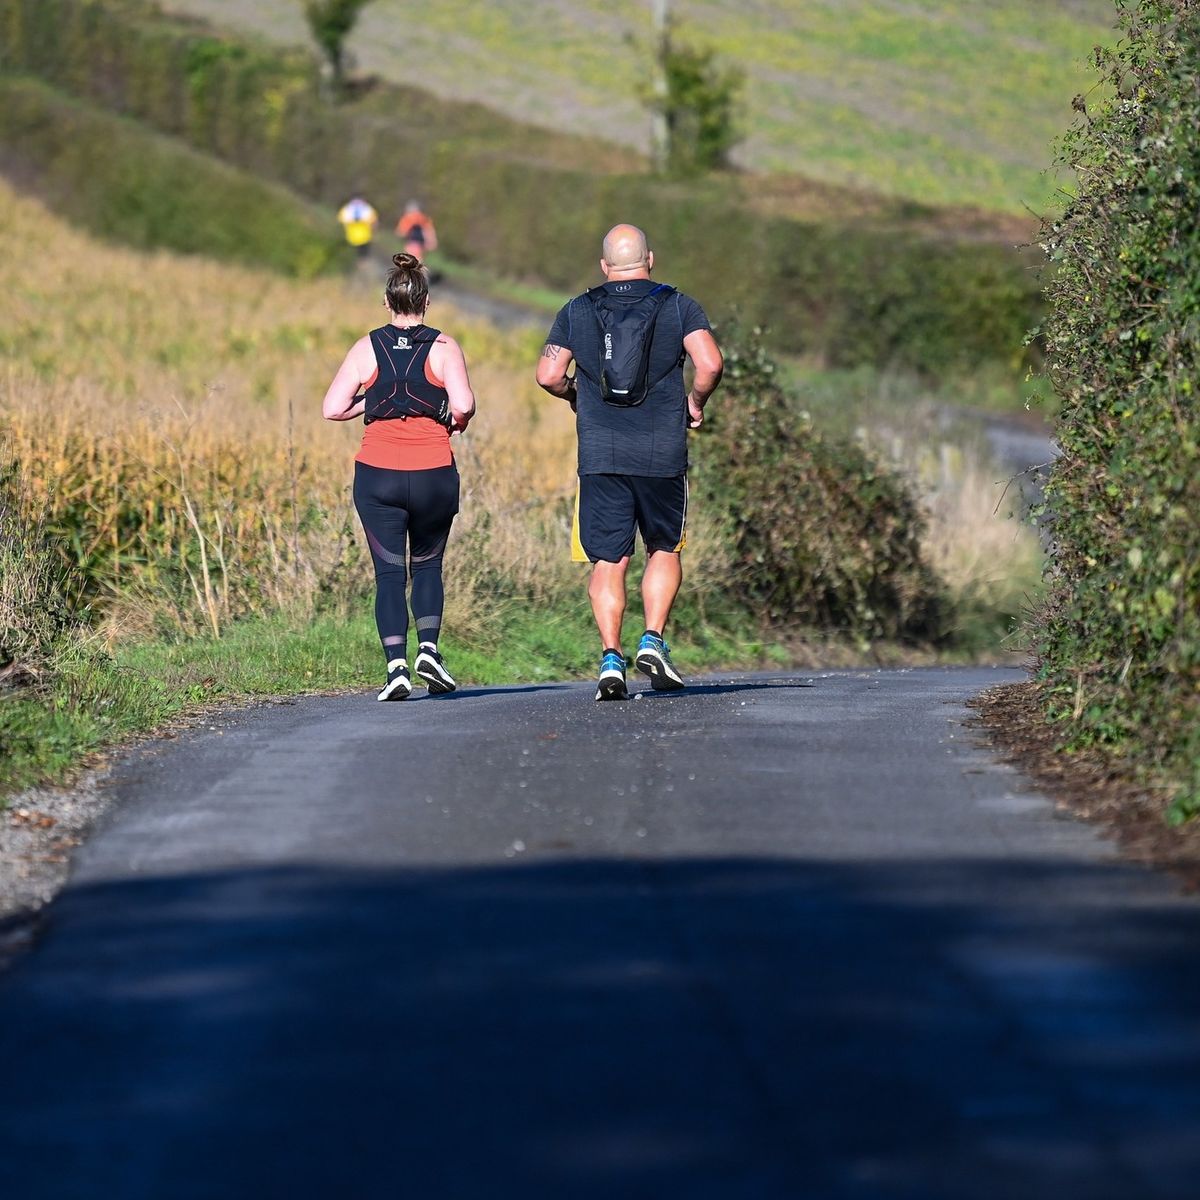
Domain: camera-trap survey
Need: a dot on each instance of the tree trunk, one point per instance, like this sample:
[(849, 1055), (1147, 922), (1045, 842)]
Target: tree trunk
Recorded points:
[(661, 124)]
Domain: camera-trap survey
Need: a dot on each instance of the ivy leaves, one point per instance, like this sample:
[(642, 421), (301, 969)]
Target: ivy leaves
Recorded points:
[(1121, 627)]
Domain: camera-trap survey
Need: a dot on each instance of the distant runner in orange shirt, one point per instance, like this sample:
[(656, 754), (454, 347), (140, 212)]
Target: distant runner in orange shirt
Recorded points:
[(417, 231)]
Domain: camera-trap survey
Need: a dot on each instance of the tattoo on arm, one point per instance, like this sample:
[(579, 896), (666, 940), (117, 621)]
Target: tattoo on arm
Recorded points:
[(551, 350)]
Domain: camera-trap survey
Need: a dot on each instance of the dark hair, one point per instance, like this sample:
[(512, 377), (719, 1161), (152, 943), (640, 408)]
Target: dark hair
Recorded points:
[(407, 286)]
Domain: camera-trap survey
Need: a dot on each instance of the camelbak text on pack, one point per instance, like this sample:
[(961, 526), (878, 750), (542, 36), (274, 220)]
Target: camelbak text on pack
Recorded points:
[(626, 332), (401, 388)]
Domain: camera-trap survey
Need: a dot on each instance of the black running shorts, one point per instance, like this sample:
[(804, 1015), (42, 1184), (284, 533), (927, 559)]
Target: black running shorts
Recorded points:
[(614, 508)]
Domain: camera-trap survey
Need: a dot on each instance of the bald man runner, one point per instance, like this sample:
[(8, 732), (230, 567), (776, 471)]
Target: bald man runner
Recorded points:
[(633, 457)]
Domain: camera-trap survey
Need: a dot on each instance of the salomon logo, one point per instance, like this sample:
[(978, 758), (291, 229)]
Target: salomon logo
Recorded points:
[(401, 343)]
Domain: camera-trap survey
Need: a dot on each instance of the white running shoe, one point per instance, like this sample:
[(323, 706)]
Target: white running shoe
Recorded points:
[(430, 667), (399, 683)]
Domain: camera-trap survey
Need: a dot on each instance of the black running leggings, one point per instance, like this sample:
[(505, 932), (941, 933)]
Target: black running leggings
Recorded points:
[(406, 511)]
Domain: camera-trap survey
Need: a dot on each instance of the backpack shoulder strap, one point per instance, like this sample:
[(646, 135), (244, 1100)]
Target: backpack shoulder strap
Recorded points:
[(593, 296), (661, 295), (378, 339)]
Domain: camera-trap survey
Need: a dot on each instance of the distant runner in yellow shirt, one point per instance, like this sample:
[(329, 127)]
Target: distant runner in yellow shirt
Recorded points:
[(358, 220)]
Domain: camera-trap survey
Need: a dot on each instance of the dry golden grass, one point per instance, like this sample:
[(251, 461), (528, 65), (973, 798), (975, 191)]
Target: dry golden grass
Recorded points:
[(973, 541), (165, 411)]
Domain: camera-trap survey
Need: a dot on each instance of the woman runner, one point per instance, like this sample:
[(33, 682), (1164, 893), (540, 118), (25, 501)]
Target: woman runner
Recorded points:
[(405, 482)]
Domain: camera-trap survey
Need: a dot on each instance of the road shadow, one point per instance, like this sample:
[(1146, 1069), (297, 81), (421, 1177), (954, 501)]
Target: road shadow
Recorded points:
[(476, 693), (716, 688), (729, 688), (606, 1028)]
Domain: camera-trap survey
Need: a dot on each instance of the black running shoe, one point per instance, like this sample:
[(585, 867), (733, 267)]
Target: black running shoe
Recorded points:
[(654, 659), (612, 684), (399, 682), (430, 667)]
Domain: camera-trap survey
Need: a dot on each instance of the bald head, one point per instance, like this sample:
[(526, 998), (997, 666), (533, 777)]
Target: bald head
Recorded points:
[(626, 254)]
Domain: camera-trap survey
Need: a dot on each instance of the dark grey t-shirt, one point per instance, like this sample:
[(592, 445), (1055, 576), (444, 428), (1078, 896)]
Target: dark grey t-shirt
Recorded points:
[(650, 439)]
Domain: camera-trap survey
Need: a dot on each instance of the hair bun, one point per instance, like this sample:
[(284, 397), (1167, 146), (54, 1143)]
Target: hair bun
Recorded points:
[(407, 286)]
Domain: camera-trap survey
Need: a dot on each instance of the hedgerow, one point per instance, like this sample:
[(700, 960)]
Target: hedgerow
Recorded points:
[(122, 181), (1119, 637)]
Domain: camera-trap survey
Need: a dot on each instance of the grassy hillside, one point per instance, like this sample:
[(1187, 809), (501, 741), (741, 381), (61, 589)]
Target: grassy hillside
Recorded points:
[(889, 283), (940, 101)]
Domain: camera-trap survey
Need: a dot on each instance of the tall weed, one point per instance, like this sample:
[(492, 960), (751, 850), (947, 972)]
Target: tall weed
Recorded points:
[(35, 608)]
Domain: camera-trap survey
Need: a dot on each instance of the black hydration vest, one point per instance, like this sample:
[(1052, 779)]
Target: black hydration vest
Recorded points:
[(626, 332), (401, 389)]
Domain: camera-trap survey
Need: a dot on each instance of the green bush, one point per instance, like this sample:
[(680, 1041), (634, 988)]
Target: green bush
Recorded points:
[(823, 535), (530, 204), (121, 181), (1120, 634)]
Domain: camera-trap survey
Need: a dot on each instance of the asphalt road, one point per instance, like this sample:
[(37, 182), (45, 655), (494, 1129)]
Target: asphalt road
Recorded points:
[(771, 937)]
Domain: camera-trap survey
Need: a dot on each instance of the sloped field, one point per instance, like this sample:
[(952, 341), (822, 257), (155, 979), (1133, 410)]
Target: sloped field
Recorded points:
[(939, 101)]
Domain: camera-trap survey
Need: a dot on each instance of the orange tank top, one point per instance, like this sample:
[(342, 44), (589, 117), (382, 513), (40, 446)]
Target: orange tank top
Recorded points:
[(406, 443)]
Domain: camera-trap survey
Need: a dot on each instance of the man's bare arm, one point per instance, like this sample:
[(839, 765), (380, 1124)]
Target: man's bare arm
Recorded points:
[(552, 372), (706, 358)]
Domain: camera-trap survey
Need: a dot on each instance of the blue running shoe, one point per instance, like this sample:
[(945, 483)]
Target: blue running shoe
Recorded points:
[(612, 677), (654, 659)]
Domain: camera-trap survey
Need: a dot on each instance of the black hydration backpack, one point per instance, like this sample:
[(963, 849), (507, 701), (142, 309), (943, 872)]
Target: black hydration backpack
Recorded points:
[(400, 389), (626, 332)]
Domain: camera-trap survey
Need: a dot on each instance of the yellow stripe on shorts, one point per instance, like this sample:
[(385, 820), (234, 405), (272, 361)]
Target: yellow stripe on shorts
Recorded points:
[(577, 551), (683, 528)]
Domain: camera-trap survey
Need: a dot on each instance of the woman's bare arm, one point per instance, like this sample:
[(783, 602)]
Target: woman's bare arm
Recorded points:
[(453, 371), (342, 402)]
